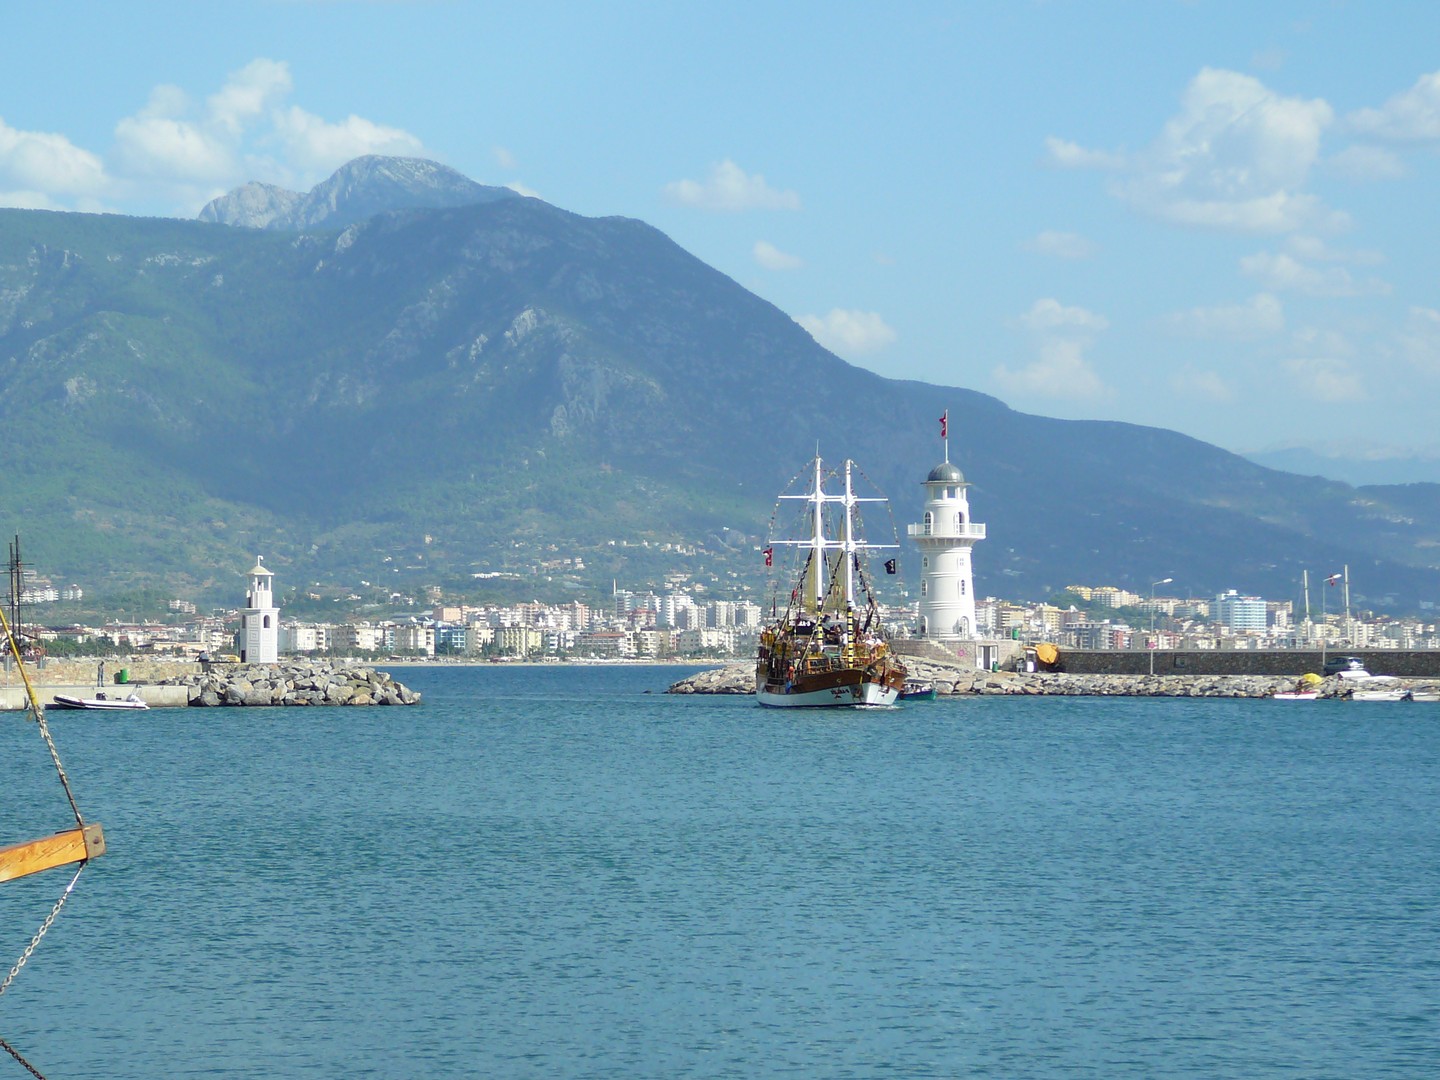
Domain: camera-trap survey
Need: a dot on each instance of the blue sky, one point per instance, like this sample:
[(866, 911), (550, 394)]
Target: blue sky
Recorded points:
[(1213, 217)]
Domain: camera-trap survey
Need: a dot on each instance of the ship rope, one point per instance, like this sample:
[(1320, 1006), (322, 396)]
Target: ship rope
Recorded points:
[(37, 713)]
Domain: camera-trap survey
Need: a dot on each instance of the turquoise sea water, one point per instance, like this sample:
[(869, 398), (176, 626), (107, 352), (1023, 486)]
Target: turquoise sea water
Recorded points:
[(551, 873)]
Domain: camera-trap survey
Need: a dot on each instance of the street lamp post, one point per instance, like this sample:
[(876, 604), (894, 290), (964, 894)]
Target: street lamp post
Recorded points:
[(1153, 642)]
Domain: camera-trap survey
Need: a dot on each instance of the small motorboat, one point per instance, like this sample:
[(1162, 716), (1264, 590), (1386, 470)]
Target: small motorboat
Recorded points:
[(917, 690), (1307, 689), (99, 701), (1379, 695)]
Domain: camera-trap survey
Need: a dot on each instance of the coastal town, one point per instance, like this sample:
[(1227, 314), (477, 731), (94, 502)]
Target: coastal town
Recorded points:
[(678, 624)]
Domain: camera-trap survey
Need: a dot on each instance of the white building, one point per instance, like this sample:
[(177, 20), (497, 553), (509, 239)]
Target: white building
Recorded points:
[(1240, 613), (304, 638), (260, 619), (945, 536)]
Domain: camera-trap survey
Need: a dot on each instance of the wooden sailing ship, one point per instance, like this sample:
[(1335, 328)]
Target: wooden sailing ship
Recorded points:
[(828, 647)]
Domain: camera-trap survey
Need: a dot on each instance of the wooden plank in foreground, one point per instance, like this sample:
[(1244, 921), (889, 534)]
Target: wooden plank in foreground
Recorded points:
[(74, 846)]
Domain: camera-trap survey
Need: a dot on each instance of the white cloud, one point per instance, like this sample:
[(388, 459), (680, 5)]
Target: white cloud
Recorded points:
[(28, 200), (1261, 316), (1236, 157), (1326, 379), (171, 149), (1061, 245), (1069, 155), (166, 147), (1060, 371), (1207, 385), (772, 258), (1061, 336), (504, 158), (314, 144), (1050, 316), (521, 189), (1317, 250), (1360, 162), (42, 165), (248, 94), (165, 140), (849, 333), (1410, 116), (730, 188), (1420, 340), (1284, 272)]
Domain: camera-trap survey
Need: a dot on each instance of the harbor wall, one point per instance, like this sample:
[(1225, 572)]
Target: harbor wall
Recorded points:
[(173, 684), (1296, 662)]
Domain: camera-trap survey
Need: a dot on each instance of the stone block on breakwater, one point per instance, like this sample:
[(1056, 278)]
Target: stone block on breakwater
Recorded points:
[(293, 683)]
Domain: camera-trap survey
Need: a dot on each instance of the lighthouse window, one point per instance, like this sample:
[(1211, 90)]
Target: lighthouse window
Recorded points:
[(924, 588), (962, 586), (925, 562), (267, 622)]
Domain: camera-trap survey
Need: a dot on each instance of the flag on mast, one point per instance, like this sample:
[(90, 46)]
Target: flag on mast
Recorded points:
[(944, 423)]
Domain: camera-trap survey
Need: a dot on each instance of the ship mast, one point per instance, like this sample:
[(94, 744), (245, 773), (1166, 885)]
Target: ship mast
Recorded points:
[(818, 575), (815, 586), (849, 547)]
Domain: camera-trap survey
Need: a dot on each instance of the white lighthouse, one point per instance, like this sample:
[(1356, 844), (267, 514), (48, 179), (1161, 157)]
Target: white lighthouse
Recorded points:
[(260, 619), (945, 536)]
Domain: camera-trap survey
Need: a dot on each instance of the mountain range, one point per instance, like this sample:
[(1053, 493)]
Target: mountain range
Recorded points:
[(386, 380)]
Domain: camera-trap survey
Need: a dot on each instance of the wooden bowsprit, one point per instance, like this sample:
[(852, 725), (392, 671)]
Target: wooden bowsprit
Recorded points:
[(75, 846)]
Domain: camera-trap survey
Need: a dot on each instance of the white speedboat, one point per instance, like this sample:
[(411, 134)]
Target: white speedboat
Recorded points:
[(1379, 695), (99, 701)]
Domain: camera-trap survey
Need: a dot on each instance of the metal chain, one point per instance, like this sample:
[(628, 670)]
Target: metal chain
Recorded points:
[(59, 769), (16, 1055), (49, 920), (38, 711)]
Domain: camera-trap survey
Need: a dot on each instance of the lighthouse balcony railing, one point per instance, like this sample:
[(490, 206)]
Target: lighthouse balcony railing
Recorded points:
[(968, 531)]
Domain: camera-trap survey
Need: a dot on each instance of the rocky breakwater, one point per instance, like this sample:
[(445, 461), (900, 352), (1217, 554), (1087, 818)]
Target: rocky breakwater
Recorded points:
[(302, 683), (957, 681)]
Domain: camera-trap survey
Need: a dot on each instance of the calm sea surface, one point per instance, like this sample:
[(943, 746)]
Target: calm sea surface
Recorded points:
[(553, 873)]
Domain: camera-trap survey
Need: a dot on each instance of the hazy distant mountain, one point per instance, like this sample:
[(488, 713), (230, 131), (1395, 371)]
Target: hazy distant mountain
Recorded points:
[(357, 190), (1358, 466), (426, 396)]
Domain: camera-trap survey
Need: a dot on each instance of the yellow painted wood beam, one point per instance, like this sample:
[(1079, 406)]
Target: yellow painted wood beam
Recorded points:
[(74, 846)]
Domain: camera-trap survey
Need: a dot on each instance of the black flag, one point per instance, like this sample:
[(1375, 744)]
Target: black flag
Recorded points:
[(889, 566)]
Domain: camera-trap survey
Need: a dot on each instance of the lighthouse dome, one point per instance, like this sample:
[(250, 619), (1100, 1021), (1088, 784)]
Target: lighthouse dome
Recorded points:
[(945, 473)]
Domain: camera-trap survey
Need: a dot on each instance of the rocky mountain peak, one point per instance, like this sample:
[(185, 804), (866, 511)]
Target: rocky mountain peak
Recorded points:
[(357, 190)]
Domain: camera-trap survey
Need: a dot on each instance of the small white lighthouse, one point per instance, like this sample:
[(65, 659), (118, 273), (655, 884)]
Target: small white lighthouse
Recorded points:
[(260, 620), (945, 537)]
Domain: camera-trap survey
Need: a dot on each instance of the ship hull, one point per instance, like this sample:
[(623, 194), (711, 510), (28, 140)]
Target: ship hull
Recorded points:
[(833, 689)]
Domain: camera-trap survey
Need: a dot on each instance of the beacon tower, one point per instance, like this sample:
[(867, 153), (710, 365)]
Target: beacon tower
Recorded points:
[(260, 620), (945, 536)]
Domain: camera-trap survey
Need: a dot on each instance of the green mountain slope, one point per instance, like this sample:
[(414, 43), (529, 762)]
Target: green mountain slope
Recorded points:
[(462, 389)]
